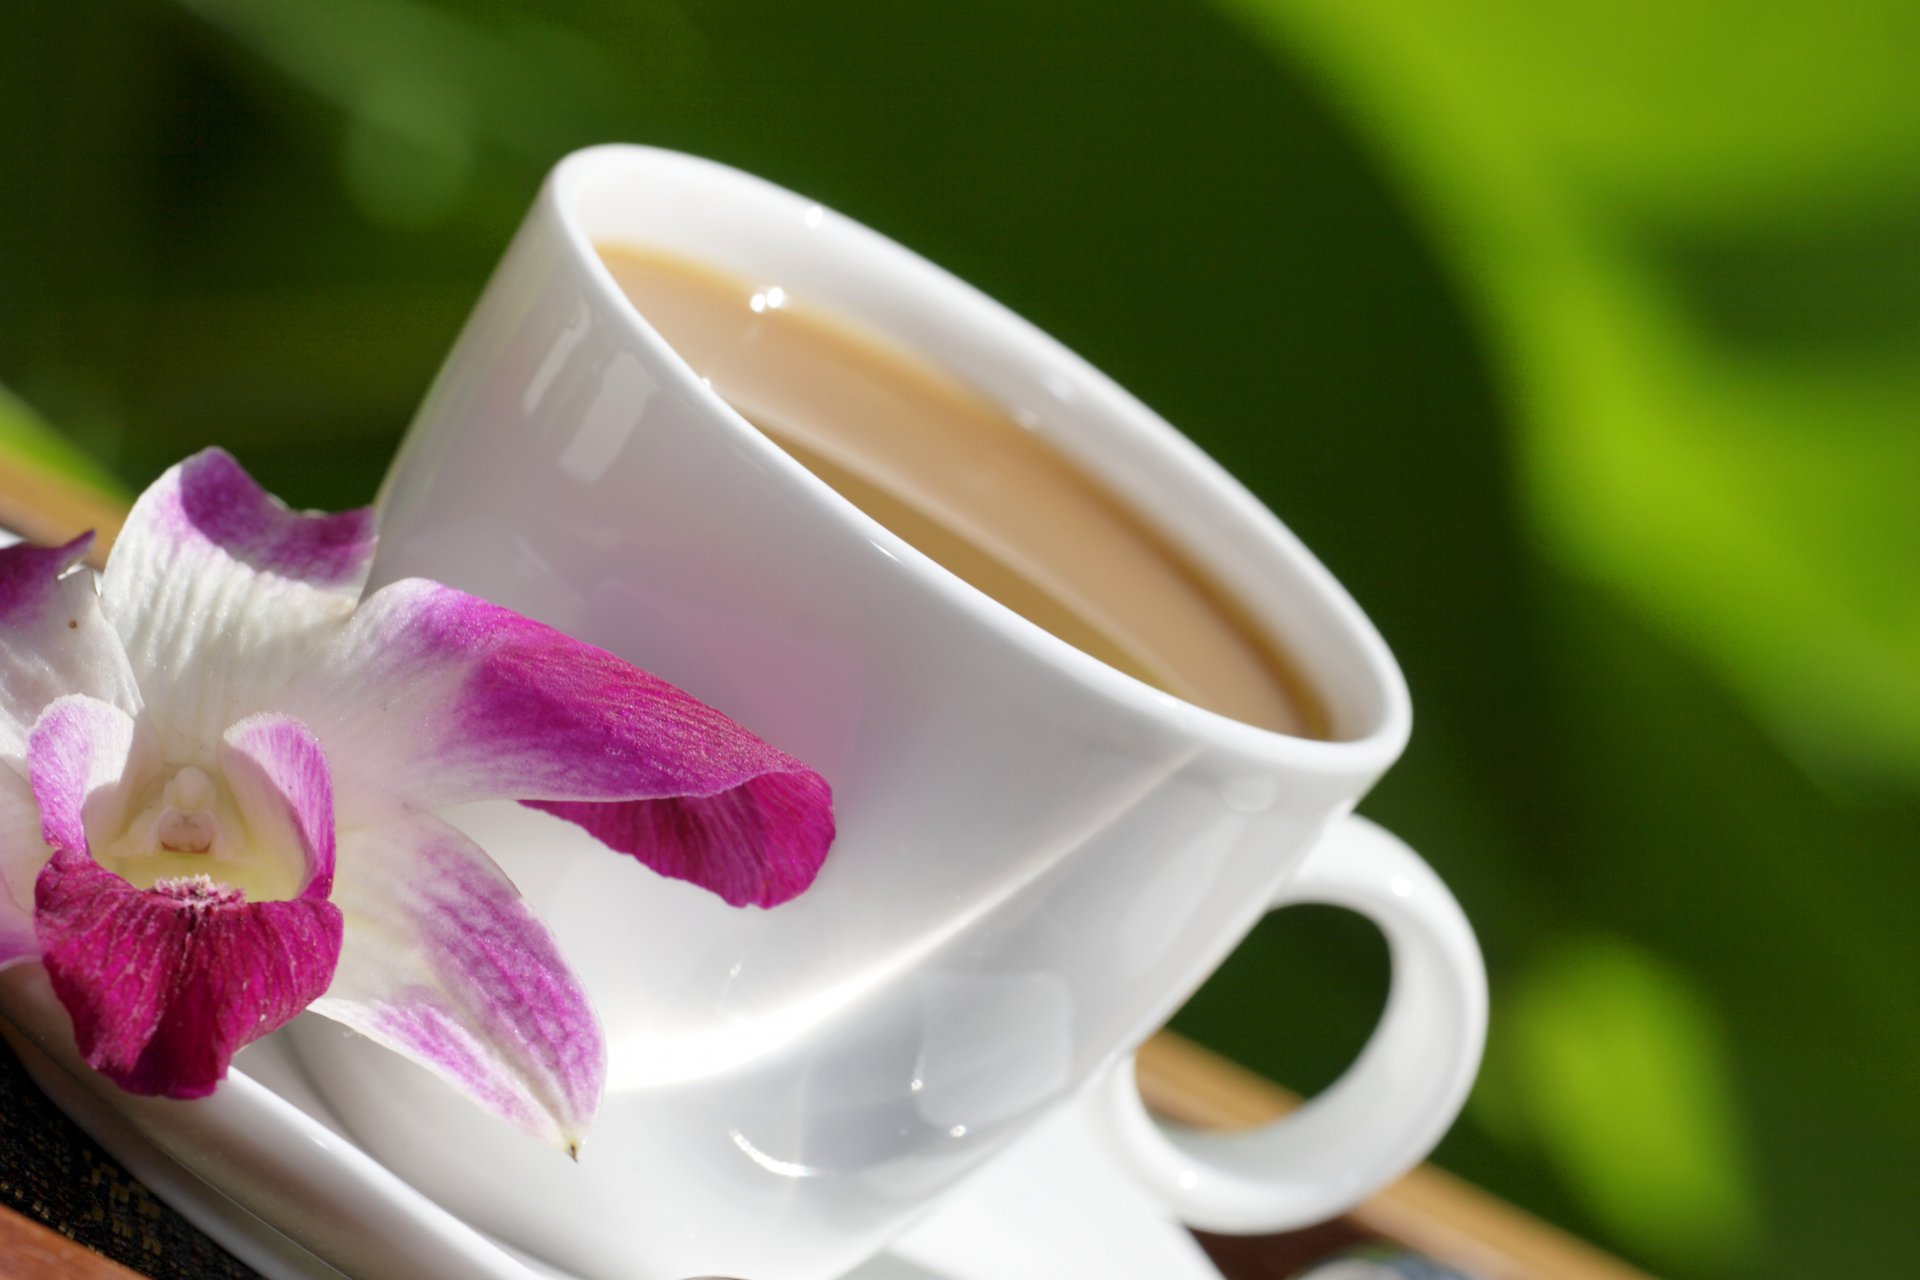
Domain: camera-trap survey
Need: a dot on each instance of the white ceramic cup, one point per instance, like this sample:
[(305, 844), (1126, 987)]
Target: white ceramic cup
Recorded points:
[(1039, 858)]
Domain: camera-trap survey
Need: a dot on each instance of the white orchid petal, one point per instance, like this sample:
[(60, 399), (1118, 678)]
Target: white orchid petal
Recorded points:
[(220, 592), (88, 760), (445, 964), (22, 854), (279, 777), (54, 639)]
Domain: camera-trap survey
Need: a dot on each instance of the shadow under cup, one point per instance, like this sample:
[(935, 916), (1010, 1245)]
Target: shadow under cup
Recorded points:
[(1039, 856)]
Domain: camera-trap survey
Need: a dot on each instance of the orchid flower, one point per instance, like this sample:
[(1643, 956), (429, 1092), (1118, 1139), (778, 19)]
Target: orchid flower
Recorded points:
[(220, 770)]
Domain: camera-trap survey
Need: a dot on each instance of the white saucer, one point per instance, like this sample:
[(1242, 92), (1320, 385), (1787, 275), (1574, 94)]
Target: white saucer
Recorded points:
[(264, 1169)]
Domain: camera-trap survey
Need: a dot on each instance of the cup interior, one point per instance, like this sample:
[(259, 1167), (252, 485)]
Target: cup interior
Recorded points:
[(709, 214)]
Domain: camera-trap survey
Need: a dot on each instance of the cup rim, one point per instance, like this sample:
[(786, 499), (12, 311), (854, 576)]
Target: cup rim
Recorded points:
[(1384, 732)]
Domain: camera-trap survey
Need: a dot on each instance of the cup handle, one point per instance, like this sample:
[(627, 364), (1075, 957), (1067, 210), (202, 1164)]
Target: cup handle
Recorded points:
[(1392, 1105)]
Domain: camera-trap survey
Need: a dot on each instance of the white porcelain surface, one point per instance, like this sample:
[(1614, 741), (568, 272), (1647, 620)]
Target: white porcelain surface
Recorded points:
[(1039, 858), (1053, 1207)]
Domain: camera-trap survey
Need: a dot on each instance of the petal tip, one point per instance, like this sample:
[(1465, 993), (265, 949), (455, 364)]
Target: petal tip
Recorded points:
[(29, 571), (470, 984), (211, 498), (278, 769)]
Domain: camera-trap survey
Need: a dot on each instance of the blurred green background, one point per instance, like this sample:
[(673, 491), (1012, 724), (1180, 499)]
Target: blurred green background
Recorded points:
[(1581, 341)]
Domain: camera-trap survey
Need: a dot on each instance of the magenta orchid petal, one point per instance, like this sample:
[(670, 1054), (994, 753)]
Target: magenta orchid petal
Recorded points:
[(165, 985), (54, 640), (758, 843), (220, 592), (445, 964), (489, 704), (279, 777)]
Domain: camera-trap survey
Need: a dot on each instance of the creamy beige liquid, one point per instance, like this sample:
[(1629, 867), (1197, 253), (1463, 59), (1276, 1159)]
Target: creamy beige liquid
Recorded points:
[(967, 485)]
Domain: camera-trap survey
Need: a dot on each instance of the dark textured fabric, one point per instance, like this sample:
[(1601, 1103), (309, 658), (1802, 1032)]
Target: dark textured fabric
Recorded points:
[(53, 1173)]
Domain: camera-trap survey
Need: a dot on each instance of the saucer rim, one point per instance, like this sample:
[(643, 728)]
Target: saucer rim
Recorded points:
[(137, 1131)]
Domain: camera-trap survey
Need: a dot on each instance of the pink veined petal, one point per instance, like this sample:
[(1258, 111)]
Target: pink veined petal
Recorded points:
[(279, 778), (759, 843), (22, 853), (432, 697), (444, 964), (86, 761), (219, 592), (53, 639), (164, 985)]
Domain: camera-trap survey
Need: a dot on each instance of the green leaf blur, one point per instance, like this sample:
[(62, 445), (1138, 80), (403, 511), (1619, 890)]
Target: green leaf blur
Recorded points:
[(1614, 1066), (1582, 342), (24, 436)]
